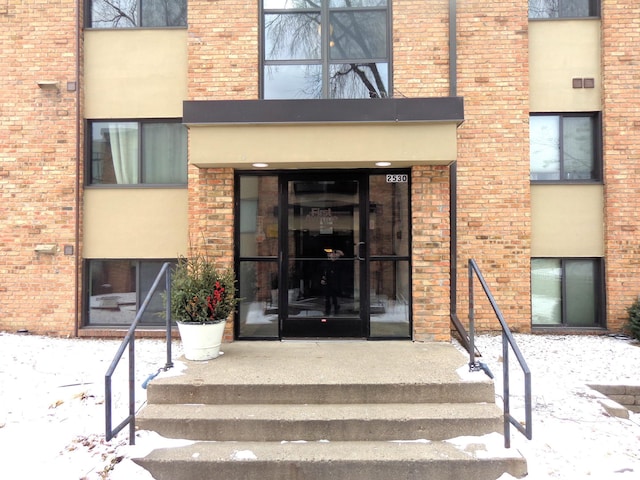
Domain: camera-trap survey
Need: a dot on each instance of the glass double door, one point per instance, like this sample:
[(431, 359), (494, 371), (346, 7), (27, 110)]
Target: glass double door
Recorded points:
[(324, 255)]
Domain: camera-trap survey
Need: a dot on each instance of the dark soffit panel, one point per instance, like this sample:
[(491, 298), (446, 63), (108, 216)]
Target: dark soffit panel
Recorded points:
[(435, 109)]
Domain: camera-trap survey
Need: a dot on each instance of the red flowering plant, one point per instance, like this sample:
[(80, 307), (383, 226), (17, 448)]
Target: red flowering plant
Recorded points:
[(200, 293)]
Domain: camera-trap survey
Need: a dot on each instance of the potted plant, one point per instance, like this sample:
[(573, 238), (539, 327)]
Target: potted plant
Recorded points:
[(202, 298)]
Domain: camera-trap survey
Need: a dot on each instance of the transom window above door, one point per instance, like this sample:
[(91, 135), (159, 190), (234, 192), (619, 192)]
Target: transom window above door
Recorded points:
[(325, 49)]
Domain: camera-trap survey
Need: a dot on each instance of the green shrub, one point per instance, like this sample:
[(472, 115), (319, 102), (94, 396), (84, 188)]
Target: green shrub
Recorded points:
[(634, 319)]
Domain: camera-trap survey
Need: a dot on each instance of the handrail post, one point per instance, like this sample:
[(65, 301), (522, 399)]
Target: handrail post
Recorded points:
[(472, 327), (132, 391), (167, 312), (505, 391)]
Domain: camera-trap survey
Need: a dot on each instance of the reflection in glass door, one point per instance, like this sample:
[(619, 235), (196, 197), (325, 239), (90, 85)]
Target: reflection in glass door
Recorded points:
[(323, 263), (323, 255)]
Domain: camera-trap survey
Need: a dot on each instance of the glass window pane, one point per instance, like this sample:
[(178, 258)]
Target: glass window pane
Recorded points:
[(112, 292), (258, 216), (356, 3), (291, 4), (544, 147), (292, 81), (546, 291), (258, 307), (574, 8), (389, 223), (358, 35), (292, 36), (114, 13), (114, 153), (148, 272), (580, 291), (164, 153), (164, 13), (544, 8), (389, 302), (359, 80), (577, 147)]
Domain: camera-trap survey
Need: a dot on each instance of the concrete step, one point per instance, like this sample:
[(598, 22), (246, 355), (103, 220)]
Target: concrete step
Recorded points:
[(313, 422), (175, 390), (332, 460)]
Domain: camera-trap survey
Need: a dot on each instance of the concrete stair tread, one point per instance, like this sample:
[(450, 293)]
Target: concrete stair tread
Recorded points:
[(306, 412), (317, 422), (336, 460)]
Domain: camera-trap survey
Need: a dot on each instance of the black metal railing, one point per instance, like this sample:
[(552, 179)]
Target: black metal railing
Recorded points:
[(129, 341), (507, 341)]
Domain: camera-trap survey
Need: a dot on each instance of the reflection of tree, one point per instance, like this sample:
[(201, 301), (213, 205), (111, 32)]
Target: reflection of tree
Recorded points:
[(349, 36), (114, 13), (124, 13), (558, 8)]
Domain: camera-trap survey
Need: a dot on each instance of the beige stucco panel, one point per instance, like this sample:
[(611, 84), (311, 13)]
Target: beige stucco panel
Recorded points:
[(559, 51), (135, 223), (131, 73), (322, 145), (567, 221)]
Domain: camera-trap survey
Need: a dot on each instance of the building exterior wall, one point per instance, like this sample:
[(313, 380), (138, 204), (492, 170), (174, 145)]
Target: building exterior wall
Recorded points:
[(494, 212), (504, 72), (621, 138), (38, 176)]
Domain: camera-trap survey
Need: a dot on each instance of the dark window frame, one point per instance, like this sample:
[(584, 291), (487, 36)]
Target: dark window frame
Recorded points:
[(87, 290), (594, 12), (596, 146), (88, 177), (88, 10), (599, 294), (325, 62)]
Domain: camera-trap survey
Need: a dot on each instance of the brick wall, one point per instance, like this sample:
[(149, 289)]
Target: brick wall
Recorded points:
[(621, 123), (223, 50), (37, 166), (430, 252), (493, 158)]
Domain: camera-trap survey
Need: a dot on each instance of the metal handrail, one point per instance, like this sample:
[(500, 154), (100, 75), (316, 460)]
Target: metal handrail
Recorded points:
[(507, 340), (129, 340)]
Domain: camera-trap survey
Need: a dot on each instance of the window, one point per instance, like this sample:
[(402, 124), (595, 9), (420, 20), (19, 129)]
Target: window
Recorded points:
[(565, 147), (567, 292), (563, 8), (132, 153), (137, 13), (117, 288), (325, 49)]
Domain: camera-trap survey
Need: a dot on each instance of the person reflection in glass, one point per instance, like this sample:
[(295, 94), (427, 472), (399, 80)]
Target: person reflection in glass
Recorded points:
[(331, 280)]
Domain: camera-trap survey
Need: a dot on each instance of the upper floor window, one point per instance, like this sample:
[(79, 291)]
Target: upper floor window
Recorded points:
[(137, 13), (565, 147), (563, 8), (131, 153), (325, 49)]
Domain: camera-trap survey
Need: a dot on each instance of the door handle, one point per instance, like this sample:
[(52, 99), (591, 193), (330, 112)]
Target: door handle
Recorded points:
[(359, 245)]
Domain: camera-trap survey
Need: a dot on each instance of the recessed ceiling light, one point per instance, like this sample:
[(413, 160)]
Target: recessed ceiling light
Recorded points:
[(260, 165), (383, 164)]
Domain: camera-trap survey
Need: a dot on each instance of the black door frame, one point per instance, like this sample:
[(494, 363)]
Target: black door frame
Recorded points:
[(325, 326)]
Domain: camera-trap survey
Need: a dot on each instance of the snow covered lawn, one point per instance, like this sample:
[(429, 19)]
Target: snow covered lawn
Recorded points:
[(52, 407)]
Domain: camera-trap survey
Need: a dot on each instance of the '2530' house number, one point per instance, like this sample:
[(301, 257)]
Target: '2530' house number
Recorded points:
[(397, 178)]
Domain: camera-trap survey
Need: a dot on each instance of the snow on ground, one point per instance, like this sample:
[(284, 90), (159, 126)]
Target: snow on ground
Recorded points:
[(52, 406)]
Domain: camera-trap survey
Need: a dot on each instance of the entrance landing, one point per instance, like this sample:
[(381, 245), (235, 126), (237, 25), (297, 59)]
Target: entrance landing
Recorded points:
[(412, 368)]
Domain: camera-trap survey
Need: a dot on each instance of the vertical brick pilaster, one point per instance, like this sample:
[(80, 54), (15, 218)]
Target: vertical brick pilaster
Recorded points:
[(38, 130), (493, 158), (621, 143), (430, 252)]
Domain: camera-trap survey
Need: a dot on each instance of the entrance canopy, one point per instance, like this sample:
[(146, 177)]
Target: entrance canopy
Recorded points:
[(351, 133)]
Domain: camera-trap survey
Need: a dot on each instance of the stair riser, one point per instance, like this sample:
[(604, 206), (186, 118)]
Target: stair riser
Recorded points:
[(334, 430), (320, 394), (343, 470)]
